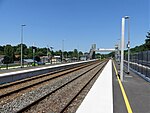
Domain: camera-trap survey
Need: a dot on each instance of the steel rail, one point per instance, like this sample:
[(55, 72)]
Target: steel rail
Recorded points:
[(43, 97), (67, 105)]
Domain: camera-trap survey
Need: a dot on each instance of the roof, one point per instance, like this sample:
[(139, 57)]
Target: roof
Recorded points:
[(2, 56), (29, 60)]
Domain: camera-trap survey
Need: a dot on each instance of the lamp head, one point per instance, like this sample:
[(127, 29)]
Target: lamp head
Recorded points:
[(126, 17)]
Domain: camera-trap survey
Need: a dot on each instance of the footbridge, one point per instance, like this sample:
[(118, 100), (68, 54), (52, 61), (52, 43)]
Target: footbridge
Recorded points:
[(93, 50), (104, 50)]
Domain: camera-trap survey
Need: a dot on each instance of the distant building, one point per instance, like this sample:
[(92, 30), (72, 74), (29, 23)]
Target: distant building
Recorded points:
[(17, 56), (83, 58), (44, 59), (56, 59)]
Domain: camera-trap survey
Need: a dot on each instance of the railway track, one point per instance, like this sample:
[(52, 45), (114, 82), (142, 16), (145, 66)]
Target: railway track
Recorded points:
[(27, 85), (13, 87), (82, 89)]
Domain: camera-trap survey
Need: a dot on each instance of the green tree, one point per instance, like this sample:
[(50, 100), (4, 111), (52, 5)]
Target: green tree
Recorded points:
[(75, 53), (80, 53), (52, 53), (44, 50), (40, 53), (37, 58), (70, 54), (98, 55), (1, 50), (147, 40), (8, 51), (17, 49), (30, 52), (6, 60), (58, 53), (65, 54)]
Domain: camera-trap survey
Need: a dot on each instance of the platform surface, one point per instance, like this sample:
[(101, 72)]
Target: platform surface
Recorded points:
[(110, 95), (137, 90), (32, 69), (100, 97)]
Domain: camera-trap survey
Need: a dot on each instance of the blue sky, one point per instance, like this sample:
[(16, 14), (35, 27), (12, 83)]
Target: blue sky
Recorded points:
[(79, 23)]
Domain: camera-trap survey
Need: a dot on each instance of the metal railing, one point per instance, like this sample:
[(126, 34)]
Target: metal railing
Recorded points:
[(140, 62)]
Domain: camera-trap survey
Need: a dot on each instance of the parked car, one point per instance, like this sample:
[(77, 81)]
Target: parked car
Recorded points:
[(38, 63)]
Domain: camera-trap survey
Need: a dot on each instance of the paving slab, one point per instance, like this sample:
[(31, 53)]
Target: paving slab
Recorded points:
[(100, 97), (138, 92)]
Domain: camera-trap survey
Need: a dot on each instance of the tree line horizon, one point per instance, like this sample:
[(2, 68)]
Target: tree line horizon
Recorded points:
[(13, 53)]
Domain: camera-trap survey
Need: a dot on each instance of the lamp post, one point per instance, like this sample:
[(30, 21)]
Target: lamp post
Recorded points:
[(47, 53), (122, 49), (119, 47), (51, 49), (22, 44), (62, 50), (128, 44), (33, 48), (122, 46)]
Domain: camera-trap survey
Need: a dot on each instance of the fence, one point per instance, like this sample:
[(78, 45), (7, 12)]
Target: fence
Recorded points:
[(140, 62)]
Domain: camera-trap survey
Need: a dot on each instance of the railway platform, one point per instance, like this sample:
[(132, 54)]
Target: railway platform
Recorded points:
[(137, 90), (21, 73), (110, 95), (100, 97)]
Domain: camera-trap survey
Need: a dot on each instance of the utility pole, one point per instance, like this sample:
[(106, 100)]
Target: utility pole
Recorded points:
[(62, 50), (33, 55), (47, 53), (22, 45)]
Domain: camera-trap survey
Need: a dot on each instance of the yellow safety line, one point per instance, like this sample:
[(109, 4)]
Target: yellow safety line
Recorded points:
[(123, 92)]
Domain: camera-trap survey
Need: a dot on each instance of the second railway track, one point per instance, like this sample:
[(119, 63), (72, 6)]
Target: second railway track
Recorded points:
[(10, 88)]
